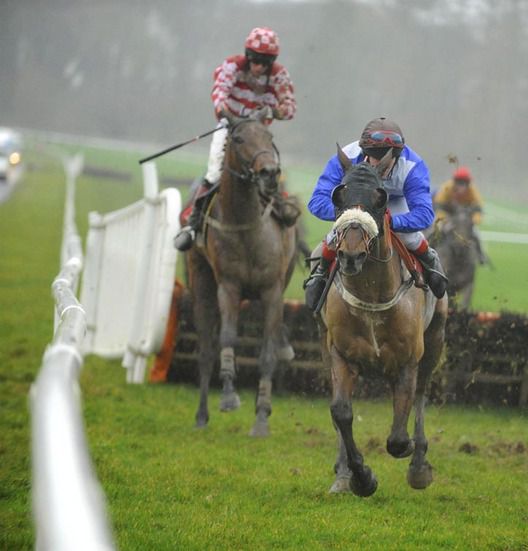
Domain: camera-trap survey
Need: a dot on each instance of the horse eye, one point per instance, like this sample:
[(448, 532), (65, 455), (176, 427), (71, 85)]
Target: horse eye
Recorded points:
[(238, 139)]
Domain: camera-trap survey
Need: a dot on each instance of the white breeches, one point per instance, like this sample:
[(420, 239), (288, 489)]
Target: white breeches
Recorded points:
[(216, 154), (398, 205)]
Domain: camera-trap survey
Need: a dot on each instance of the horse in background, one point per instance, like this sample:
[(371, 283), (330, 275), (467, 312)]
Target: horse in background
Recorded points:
[(247, 254), (374, 317), (456, 243)]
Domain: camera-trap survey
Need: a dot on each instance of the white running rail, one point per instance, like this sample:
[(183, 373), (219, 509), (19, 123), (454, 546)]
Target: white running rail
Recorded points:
[(68, 503), (127, 286)]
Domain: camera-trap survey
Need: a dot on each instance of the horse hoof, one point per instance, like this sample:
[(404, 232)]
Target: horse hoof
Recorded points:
[(201, 422), (400, 450), (341, 485), (365, 486), (421, 477), (259, 430), (230, 402)]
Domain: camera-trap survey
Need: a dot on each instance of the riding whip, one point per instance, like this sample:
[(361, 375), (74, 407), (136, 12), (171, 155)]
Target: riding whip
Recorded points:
[(327, 288), (177, 146)]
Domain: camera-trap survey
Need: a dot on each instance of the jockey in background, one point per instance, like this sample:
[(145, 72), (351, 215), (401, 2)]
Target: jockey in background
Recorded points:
[(461, 190), (244, 84), (408, 184)]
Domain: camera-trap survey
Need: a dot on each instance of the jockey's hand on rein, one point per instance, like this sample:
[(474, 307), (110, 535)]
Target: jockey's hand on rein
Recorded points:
[(221, 111), (278, 113)]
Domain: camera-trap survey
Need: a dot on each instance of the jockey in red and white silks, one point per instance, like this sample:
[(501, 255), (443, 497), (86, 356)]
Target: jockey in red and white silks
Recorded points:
[(246, 83)]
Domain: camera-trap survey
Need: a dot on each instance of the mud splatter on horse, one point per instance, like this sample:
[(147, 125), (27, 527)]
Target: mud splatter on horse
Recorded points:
[(248, 254), (374, 317)]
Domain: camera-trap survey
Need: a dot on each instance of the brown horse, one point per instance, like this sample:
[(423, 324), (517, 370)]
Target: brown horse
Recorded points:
[(457, 245), (248, 254), (374, 317)]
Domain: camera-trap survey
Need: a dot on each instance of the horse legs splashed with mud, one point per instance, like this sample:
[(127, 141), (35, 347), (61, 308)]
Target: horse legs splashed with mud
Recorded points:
[(375, 317), (248, 254)]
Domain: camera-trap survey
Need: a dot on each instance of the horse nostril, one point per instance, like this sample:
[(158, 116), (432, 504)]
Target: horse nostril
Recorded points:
[(269, 177)]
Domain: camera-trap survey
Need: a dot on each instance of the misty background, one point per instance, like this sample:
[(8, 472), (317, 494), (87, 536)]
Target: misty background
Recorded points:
[(452, 73)]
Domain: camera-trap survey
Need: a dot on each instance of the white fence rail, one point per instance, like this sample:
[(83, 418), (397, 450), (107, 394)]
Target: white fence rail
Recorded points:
[(68, 504), (127, 288)]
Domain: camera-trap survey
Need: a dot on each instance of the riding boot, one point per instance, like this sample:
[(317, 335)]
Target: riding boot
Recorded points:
[(434, 272), (315, 284), (185, 237)]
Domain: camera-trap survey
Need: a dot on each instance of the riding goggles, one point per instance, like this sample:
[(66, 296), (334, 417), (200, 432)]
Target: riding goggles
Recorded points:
[(260, 59), (383, 138)]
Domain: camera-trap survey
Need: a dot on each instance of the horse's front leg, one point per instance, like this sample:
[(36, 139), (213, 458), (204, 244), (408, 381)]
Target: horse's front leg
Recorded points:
[(206, 320), (268, 358), (363, 481), (229, 304)]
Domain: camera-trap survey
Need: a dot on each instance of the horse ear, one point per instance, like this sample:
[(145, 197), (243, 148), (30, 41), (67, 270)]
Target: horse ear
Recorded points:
[(346, 163), (382, 198), (263, 114), (338, 196), (382, 166)]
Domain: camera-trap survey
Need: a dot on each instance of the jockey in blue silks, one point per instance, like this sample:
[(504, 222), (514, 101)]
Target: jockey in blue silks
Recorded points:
[(407, 182)]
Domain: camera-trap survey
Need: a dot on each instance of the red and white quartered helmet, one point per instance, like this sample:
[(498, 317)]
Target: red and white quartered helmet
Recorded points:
[(263, 40)]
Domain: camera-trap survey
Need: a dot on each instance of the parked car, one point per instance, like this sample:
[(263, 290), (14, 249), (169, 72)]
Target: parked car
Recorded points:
[(10, 152)]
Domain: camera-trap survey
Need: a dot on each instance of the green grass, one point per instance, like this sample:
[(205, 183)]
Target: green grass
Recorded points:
[(169, 486)]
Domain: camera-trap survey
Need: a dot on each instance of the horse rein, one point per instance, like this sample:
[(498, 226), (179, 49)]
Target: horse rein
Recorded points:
[(248, 175), (356, 302)]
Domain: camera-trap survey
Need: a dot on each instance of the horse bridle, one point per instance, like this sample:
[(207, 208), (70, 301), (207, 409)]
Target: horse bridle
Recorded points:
[(248, 173), (368, 241), (356, 302)]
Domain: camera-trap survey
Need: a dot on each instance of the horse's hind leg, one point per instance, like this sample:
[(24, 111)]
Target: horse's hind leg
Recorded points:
[(362, 482), (268, 358), (285, 350), (465, 296), (420, 473), (229, 303), (399, 444), (343, 473)]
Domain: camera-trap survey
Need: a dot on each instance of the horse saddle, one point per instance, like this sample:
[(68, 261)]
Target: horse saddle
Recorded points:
[(410, 261), (199, 199)]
